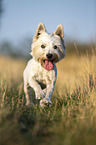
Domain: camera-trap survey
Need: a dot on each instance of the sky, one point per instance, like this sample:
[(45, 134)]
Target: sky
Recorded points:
[(21, 18)]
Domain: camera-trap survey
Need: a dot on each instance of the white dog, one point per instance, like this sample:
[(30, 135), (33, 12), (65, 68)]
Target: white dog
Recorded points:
[(41, 72)]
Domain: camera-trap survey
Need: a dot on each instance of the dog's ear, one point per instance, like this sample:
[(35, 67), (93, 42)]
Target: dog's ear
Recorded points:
[(40, 29), (59, 31)]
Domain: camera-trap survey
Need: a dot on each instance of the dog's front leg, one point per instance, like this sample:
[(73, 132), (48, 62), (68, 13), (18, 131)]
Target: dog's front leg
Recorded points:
[(46, 101), (38, 91)]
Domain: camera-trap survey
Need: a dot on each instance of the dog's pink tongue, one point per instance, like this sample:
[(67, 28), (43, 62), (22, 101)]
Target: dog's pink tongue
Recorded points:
[(48, 65)]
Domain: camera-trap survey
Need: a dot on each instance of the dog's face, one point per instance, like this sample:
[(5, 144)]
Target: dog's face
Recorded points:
[(48, 49)]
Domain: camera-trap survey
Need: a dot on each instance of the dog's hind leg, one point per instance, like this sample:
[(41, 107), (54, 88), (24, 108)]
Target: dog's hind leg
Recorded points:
[(26, 90)]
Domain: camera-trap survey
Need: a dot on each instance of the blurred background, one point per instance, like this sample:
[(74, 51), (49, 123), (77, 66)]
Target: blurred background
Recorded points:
[(19, 20), (72, 118)]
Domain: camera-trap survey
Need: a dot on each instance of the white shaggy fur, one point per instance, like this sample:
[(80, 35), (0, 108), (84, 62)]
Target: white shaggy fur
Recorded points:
[(41, 69)]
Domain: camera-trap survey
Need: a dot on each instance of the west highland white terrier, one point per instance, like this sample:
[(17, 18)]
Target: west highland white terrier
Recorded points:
[(41, 72)]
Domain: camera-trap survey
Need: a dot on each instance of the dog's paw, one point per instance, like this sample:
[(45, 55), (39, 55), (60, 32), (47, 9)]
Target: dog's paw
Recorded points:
[(45, 103), (40, 94)]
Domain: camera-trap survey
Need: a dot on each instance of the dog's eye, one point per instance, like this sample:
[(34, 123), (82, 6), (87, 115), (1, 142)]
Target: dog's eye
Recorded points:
[(55, 47), (42, 46)]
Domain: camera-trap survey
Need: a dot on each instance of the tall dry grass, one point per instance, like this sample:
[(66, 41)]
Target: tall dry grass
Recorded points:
[(71, 119)]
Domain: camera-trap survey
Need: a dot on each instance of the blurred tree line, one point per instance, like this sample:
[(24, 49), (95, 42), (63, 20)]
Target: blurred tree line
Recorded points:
[(21, 50), (24, 48), (79, 49)]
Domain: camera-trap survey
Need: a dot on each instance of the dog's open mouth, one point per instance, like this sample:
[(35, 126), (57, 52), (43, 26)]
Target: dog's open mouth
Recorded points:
[(48, 64)]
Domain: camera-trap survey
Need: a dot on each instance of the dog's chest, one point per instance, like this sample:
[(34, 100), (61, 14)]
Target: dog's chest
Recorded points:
[(44, 76), (40, 76)]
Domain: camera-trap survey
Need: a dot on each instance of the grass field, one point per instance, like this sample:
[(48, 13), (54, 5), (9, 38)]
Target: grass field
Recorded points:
[(72, 118)]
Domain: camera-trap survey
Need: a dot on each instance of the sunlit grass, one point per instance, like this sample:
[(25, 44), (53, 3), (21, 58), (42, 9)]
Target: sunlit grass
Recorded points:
[(72, 118)]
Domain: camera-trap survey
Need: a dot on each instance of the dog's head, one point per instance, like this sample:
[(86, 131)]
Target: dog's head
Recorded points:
[(48, 49)]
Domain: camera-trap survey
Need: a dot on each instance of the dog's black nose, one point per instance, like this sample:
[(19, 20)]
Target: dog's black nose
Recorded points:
[(49, 55)]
